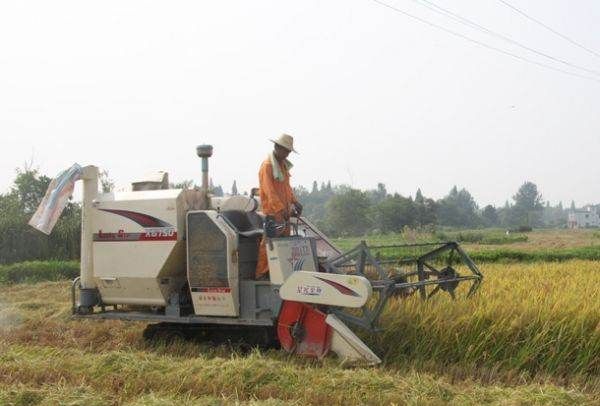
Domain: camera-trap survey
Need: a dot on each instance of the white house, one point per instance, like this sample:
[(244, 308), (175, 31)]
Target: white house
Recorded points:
[(587, 217)]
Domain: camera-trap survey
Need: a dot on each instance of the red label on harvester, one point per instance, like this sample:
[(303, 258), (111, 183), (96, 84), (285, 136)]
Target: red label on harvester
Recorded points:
[(214, 290), (165, 234)]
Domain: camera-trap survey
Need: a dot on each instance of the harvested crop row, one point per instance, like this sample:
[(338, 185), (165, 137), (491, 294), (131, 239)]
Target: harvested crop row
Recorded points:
[(123, 377)]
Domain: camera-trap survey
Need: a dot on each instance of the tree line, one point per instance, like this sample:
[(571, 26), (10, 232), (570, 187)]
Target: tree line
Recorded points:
[(343, 210)]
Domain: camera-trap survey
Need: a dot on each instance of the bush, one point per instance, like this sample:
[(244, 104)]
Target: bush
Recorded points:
[(38, 271), (521, 229), (480, 237), (504, 239), (19, 241), (470, 236), (501, 255), (558, 255)]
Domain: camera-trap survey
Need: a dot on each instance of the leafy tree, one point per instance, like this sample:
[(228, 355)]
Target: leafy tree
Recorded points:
[(378, 194), (425, 209), (315, 188), (528, 197), (315, 202), (106, 182), (554, 216), (419, 199), (18, 240), (215, 190), (458, 209), (490, 216), (300, 191), (30, 188), (527, 210), (234, 189), (347, 212), (393, 213)]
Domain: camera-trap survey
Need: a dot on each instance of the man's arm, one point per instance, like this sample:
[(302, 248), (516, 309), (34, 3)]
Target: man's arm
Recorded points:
[(297, 209)]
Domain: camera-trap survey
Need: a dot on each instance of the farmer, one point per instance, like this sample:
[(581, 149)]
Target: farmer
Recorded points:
[(276, 195)]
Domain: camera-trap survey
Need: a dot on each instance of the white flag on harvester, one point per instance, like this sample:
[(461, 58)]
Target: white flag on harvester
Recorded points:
[(55, 200)]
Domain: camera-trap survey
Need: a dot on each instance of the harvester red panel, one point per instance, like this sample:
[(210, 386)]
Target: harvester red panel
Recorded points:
[(301, 329)]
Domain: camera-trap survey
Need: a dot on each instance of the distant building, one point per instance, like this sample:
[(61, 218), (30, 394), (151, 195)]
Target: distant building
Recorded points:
[(587, 217)]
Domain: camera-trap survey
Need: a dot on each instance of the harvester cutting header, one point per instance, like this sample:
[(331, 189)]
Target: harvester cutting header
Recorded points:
[(190, 263)]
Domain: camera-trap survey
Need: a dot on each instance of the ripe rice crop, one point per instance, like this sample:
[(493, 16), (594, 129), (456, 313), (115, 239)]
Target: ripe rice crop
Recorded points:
[(541, 318)]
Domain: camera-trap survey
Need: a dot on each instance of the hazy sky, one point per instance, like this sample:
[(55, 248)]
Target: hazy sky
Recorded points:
[(370, 95)]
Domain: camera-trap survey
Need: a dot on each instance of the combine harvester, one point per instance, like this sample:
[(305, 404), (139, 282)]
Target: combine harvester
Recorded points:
[(184, 261)]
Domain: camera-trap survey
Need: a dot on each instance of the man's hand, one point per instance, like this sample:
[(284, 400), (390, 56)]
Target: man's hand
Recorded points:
[(296, 209), (282, 216)]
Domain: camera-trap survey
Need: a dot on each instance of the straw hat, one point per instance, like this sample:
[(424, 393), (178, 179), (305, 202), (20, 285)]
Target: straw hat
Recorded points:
[(286, 141)]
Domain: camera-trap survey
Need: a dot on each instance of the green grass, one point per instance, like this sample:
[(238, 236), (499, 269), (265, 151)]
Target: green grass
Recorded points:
[(492, 236), (485, 237), (490, 246), (37, 271), (591, 253), (482, 245)]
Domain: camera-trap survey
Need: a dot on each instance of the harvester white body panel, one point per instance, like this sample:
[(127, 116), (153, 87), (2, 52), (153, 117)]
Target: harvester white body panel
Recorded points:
[(287, 255), (138, 248), (327, 289), (347, 345)]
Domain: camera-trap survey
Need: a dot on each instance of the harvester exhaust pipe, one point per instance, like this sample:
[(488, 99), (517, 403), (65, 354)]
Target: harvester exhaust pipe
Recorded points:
[(205, 151)]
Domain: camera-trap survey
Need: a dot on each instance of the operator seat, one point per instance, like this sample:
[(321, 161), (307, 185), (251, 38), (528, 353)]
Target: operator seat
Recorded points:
[(247, 224)]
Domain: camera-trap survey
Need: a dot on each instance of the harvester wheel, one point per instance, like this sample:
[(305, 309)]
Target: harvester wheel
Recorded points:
[(149, 332), (164, 332), (83, 310)]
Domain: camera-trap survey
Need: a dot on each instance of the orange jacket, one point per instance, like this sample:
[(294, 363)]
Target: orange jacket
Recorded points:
[(275, 196)]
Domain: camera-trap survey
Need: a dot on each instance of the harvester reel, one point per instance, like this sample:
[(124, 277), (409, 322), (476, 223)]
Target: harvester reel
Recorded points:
[(448, 282), (389, 280)]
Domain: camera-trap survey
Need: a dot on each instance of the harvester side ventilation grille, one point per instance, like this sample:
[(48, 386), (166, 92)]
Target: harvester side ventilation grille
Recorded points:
[(207, 252)]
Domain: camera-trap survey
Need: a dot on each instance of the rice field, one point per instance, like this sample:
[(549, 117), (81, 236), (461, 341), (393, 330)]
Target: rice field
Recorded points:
[(530, 336)]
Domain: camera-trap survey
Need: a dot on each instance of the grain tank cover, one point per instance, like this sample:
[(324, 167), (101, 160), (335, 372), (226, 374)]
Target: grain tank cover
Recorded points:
[(152, 181)]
